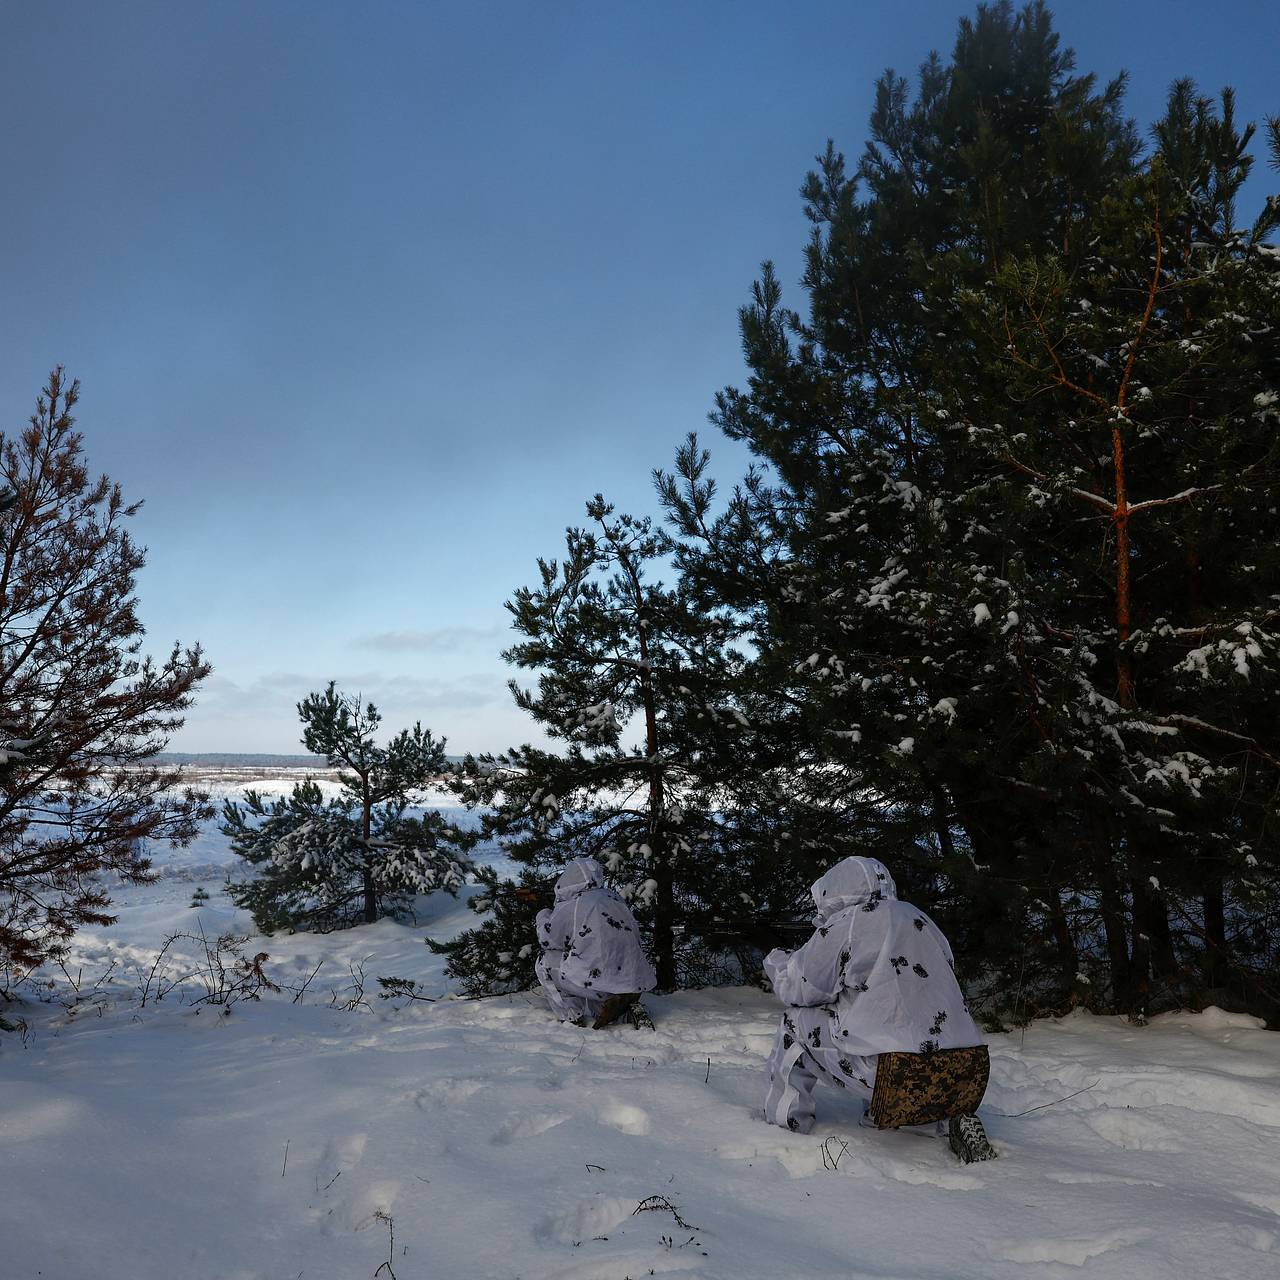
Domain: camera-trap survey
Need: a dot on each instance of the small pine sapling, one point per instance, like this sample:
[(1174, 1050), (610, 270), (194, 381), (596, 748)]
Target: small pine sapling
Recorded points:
[(329, 862)]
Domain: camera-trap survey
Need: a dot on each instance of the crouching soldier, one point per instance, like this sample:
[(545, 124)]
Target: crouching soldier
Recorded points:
[(875, 978), (592, 967)]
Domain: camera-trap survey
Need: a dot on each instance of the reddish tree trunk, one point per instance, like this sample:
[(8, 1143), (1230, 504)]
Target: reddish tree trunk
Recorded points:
[(1124, 603)]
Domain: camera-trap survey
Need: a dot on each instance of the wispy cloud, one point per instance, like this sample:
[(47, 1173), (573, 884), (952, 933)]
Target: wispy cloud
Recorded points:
[(440, 640), (282, 690), (473, 710)]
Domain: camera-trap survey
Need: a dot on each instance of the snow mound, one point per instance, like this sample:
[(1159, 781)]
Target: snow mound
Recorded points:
[(625, 1118)]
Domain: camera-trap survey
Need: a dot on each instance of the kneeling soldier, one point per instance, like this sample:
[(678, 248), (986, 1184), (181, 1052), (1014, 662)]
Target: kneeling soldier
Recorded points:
[(592, 967), (875, 978)]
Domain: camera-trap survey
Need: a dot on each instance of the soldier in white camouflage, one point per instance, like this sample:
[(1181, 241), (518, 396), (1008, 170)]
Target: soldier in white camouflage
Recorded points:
[(591, 963), (876, 977)]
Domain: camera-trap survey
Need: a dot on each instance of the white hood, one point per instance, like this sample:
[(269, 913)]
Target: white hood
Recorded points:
[(852, 883), (578, 876), (879, 967)]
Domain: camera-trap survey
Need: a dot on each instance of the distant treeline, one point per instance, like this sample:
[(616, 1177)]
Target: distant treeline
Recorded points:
[(247, 759), (240, 759)]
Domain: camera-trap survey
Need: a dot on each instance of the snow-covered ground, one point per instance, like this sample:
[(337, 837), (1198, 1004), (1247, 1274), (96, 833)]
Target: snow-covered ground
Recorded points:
[(287, 1141)]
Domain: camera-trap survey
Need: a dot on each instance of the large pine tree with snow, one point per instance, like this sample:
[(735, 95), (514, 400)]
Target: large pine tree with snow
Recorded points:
[(1006, 564), (1144, 371)]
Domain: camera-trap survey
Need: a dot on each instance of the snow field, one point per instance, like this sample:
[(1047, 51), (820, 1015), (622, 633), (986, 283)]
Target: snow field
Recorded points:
[(499, 1143), (286, 1141)]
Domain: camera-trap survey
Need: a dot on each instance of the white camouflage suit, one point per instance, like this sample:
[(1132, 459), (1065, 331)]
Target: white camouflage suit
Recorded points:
[(590, 945), (876, 977)]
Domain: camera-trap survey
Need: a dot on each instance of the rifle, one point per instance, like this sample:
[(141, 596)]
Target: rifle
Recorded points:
[(763, 932)]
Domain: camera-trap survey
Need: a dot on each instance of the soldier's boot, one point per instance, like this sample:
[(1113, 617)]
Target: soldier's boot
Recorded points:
[(639, 1016), (614, 1007), (969, 1140)]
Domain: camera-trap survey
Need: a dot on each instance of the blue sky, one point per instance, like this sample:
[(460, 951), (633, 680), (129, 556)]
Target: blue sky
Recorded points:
[(366, 300)]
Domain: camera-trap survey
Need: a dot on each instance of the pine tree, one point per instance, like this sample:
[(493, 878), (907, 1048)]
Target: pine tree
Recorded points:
[(81, 713), (617, 654), (1144, 371), (914, 563), (328, 863)]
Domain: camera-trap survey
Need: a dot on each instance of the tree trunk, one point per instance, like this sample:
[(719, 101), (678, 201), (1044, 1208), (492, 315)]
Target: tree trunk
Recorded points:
[(1124, 602), (664, 901), (1148, 950), (664, 915), (1113, 925), (370, 889), (1065, 944), (1163, 957), (1216, 960), (942, 825), (989, 916)]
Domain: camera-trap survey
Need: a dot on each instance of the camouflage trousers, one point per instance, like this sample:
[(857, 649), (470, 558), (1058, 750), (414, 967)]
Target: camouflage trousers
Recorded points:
[(803, 1053), (568, 1001)]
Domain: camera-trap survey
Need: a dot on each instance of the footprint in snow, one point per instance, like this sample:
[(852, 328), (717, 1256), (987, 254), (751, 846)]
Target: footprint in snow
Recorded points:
[(1074, 1252), (1131, 1130), (444, 1092), (528, 1126), (344, 1153), (588, 1219), (363, 1207)]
